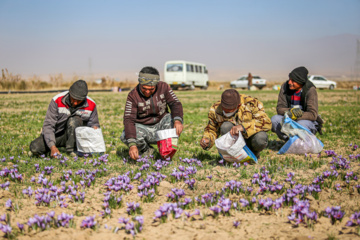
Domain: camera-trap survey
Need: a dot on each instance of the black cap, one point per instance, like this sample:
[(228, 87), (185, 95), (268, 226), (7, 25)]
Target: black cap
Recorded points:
[(299, 75), (79, 90)]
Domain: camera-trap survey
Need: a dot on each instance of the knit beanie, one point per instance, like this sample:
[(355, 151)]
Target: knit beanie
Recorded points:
[(230, 99), (299, 75), (79, 90)]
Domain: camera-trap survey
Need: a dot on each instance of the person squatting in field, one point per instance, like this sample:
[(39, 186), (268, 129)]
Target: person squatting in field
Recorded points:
[(146, 112), (236, 113), (66, 111), (298, 98)]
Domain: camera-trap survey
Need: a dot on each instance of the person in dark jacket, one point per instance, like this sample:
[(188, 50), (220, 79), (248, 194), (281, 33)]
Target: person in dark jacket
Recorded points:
[(66, 111), (298, 98), (146, 112)]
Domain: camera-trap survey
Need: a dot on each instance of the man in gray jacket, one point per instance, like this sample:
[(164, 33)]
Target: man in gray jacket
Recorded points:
[(298, 98), (66, 111)]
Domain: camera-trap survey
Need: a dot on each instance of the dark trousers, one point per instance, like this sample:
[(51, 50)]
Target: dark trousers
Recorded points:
[(65, 138)]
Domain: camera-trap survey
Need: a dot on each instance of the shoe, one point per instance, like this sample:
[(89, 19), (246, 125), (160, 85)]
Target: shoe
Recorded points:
[(72, 154)]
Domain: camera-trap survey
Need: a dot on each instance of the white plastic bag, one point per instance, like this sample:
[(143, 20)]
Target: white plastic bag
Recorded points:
[(89, 140), (301, 140), (234, 149)]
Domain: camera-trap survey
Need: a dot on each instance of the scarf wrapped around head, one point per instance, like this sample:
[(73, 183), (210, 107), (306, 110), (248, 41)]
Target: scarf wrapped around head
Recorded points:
[(148, 79)]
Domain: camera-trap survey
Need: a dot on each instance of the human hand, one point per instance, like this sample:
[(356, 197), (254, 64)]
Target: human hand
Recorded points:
[(95, 127), (204, 143), (295, 113), (134, 152), (179, 127), (54, 151), (235, 130)]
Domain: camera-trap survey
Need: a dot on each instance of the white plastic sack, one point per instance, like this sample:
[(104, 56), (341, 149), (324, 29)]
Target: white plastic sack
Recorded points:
[(89, 140), (301, 140), (234, 149), (167, 133)]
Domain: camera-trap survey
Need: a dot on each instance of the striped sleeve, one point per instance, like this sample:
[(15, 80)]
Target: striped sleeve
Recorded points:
[(129, 117)]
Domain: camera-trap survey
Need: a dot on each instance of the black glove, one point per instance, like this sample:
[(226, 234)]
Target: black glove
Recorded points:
[(295, 113)]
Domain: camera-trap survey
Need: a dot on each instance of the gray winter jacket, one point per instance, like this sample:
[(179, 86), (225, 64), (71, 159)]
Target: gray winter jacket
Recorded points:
[(58, 113)]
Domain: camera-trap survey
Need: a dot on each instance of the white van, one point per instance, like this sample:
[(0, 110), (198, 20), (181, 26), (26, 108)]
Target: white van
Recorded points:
[(186, 74)]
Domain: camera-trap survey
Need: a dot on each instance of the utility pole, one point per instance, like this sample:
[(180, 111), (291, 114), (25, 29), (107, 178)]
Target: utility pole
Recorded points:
[(90, 70), (357, 62)]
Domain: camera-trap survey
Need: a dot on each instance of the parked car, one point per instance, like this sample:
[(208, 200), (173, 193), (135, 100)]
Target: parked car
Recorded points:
[(321, 82), (242, 82)]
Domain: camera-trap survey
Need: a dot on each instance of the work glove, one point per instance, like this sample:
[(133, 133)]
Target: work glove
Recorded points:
[(295, 113)]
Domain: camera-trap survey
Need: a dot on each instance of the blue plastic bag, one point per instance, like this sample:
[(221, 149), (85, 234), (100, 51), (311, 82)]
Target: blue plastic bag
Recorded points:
[(301, 140)]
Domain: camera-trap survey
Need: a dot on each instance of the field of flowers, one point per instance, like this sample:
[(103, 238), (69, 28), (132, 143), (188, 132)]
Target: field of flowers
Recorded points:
[(194, 196)]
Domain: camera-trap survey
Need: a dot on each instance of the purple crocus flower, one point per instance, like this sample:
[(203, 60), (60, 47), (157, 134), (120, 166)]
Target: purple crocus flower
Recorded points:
[(215, 209), (20, 226), (123, 220), (196, 212), (64, 219), (244, 202), (6, 229), (88, 222), (8, 204), (236, 224), (51, 214)]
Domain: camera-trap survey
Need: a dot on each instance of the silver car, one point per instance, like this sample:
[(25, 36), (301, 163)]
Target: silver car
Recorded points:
[(242, 82)]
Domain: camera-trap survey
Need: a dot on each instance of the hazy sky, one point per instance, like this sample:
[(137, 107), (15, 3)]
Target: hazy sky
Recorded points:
[(231, 37)]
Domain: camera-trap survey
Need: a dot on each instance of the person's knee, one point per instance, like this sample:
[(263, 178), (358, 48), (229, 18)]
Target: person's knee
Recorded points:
[(35, 147), (260, 141), (306, 123), (276, 122), (122, 137), (225, 128), (74, 122)]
